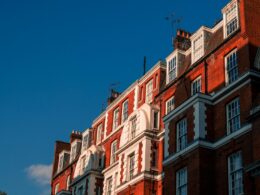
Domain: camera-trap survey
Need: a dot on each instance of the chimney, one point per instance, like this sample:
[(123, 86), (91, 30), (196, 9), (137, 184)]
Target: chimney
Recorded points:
[(75, 135), (113, 96), (182, 40)]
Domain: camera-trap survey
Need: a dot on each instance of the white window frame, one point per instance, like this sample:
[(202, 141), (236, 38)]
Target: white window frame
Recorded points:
[(182, 181), (113, 150), (74, 148), (99, 133), (233, 69), (196, 86), (82, 164), (235, 174), (172, 68), (61, 163), (198, 52), (182, 134), (133, 127), (233, 116), (85, 141), (109, 189), (149, 92), (116, 118), (125, 110), (169, 105), (233, 9), (131, 166)]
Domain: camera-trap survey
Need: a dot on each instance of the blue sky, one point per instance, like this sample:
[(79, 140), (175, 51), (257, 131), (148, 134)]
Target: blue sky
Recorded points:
[(57, 61)]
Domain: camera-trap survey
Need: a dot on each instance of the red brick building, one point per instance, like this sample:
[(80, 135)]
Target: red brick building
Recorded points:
[(211, 107), (188, 126), (122, 152)]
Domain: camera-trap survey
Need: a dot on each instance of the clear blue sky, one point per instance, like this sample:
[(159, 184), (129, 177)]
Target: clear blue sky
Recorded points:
[(57, 60)]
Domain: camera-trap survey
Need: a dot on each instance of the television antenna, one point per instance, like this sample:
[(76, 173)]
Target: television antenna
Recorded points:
[(174, 22)]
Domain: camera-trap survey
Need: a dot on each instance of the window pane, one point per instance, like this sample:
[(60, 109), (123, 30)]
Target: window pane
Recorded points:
[(235, 174)]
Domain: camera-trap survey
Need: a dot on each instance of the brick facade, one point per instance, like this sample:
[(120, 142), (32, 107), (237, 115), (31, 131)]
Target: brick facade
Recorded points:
[(214, 83)]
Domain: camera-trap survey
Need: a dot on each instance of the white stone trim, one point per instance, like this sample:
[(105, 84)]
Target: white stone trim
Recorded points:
[(215, 98), (205, 144)]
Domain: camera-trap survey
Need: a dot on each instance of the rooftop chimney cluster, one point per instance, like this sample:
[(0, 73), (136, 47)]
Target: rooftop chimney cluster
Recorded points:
[(75, 135), (182, 40)]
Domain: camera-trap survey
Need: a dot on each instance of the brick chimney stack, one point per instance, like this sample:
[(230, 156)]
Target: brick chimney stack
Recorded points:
[(75, 135), (182, 40)]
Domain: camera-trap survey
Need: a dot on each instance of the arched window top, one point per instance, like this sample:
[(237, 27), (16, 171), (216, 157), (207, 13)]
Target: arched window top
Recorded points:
[(257, 59)]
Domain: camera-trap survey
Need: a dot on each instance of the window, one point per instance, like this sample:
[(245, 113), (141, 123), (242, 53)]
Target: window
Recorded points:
[(233, 115), (231, 21), (109, 186), (113, 152), (149, 92), (68, 182), (172, 69), (231, 67), (116, 119), (169, 105), (56, 188), (155, 119), (131, 166), (125, 111), (73, 151), (63, 159), (61, 162), (133, 127), (235, 174), (198, 47), (86, 141), (83, 162), (196, 86), (181, 134), (99, 133), (80, 190), (181, 182)]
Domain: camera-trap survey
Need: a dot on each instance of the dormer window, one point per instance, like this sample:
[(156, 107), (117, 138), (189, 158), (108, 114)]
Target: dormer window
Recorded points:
[(75, 148), (63, 160), (86, 141), (198, 48), (172, 69), (231, 19)]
